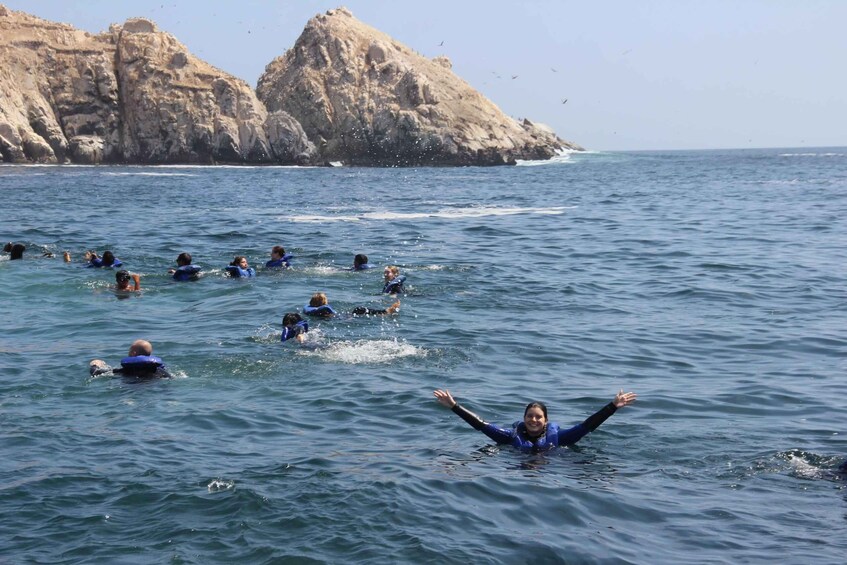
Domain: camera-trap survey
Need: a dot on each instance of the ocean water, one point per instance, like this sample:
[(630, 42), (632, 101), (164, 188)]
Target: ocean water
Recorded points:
[(711, 283)]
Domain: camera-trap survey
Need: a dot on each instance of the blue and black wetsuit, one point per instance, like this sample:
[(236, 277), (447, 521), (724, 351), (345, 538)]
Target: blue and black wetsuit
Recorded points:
[(141, 366), (516, 436), (395, 285), (282, 263)]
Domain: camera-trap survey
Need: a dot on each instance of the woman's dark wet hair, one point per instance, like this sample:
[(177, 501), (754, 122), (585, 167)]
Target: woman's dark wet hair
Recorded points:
[(183, 259), (108, 258), (17, 251), (291, 318), (237, 260), (536, 404), (360, 259)]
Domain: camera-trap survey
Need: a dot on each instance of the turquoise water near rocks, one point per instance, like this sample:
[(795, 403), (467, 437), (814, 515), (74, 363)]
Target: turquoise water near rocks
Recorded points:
[(712, 283)]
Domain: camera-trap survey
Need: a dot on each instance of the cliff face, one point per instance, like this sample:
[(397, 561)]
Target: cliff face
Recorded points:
[(133, 94), (365, 99)]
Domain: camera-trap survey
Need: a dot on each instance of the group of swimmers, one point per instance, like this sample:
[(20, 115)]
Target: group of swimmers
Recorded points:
[(534, 434)]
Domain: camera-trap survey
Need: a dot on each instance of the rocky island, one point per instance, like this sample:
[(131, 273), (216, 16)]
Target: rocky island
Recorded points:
[(345, 92)]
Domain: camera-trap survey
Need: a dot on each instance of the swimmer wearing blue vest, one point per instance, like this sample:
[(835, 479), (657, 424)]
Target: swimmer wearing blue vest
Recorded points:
[(535, 433), (279, 258), (108, 260), (185, 271), (319, 306), (393, 280), (139, 363), (240, 268), (294, 327), (360, 263)]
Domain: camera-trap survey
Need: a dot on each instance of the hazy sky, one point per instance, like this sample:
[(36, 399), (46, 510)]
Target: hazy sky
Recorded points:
[(636, 74)]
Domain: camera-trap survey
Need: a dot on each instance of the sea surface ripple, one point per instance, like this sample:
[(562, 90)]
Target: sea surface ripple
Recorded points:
[(712, 283)]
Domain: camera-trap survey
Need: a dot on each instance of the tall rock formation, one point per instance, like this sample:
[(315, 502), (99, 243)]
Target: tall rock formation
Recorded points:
[(133, 94), (365, 99)]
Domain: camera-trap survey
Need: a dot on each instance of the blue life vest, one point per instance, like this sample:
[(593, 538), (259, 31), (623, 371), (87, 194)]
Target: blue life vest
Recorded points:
[(546, 442), (325, 310), (235, 271), (284, 261), (99, 263), (300, 327), (141, 364), (187, 273), (395, 286), (362, 267)]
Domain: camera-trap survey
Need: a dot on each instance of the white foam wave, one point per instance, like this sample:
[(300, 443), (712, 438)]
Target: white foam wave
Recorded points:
[(813, 154), (444, 214), (804, 469), (145, 174), (364, 351), (218, 485)]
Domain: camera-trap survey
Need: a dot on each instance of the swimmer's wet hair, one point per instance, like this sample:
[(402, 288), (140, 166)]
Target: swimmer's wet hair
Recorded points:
[(291, 318), (122, 276), (537, 405)]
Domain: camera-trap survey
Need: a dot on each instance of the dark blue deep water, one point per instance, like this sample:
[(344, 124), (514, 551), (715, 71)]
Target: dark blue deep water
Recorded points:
[(711, 283)]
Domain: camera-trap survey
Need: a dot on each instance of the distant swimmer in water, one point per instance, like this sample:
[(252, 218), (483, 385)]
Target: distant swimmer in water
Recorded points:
[(139, 363), (279, 258), (294, 327), (535, 433), (185, 270), (108, 259), (240, 268), (319, 306), (360, 263), (122, 279), (15, 250), (364, 311), (393, 280)]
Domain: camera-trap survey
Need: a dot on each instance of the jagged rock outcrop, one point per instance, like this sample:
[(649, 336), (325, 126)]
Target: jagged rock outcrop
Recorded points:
[(365, 99), (132, 94)]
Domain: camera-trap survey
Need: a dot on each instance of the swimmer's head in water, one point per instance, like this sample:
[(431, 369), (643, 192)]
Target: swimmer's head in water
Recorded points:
[(277, 252), (291, 318), (360, 259), (108, 258), (240, 261), (140, 347), (17, 251), (122, 278), (183, 259), (318, 299), (535, 417), (391, 272)]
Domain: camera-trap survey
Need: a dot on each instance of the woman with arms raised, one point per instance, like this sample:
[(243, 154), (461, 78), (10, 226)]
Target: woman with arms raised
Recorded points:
[(535, 433)]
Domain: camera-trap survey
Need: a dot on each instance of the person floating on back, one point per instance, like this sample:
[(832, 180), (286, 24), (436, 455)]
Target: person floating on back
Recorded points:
[(240, 268), (365, 311), (185, 271), (393, 280), (535, 434), (294, 327), (360, 263), (108, 259), (279, 258), (139, 363)]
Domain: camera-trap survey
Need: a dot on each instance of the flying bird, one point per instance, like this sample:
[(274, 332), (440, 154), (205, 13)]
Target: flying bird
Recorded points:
[(514, 77), (564, 100), (440, 44), (554, 70)]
